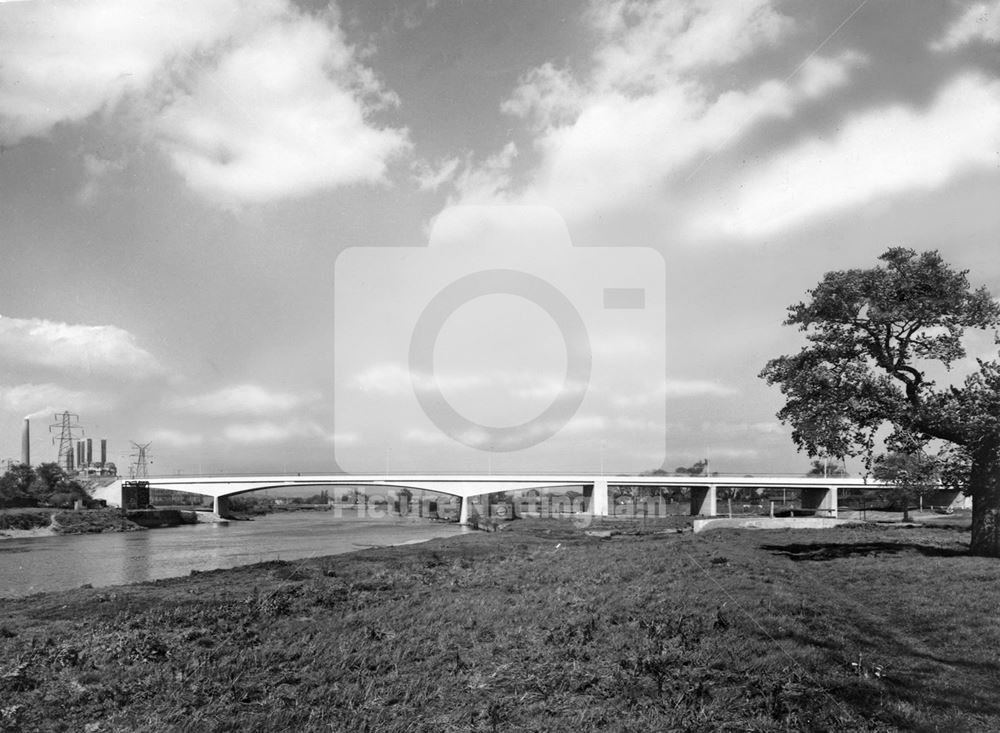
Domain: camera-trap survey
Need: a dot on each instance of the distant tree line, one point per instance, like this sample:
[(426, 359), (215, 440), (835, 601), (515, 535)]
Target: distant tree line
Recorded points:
[(43, 485)]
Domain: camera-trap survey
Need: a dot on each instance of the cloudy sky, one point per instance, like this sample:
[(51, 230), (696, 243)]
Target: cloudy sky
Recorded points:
[(266, 235)]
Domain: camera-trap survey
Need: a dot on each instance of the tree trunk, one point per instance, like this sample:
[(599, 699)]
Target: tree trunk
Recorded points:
[(984, 485)]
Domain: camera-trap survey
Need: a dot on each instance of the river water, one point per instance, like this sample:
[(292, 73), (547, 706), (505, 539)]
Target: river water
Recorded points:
[(37, 564)]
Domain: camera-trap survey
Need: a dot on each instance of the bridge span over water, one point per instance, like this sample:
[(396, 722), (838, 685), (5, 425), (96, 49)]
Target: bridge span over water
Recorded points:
[(817, 493)]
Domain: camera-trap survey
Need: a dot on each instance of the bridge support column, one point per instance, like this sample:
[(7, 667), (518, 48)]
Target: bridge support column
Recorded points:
[(703, 501), (597, 494), (822, 500), (463, 511), (220, 506)]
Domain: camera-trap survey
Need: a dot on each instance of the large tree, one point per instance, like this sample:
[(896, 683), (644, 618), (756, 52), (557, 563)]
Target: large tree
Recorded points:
[(877, 339)]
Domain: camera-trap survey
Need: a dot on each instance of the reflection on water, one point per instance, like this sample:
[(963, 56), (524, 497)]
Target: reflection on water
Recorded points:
[(57, 563)]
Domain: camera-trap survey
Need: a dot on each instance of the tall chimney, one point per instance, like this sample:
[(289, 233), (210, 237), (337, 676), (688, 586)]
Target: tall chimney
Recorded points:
[(90, 451), (26, 443), (79, 454), (104, 451), (69, 460)]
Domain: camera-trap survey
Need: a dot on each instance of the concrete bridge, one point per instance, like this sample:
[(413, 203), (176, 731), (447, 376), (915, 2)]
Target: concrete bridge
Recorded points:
[(817, 493)]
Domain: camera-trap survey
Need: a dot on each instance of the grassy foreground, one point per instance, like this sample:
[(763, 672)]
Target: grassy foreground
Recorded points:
[(537, 628)]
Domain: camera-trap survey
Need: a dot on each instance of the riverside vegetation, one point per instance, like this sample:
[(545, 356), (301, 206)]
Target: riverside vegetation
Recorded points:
[(539, 627), (87, 521)]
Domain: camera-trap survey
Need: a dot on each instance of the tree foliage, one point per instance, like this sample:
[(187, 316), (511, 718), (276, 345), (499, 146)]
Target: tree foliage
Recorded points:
[(44, 484), (16, 482), (826, 467), (911, 474), (698, 469), (877, 339)]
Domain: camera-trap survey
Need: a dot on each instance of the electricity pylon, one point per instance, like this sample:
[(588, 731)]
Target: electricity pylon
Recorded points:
[(68, 424), (138, 469)]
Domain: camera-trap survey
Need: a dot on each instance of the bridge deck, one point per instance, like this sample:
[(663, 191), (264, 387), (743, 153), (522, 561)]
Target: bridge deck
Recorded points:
[(818, 492)]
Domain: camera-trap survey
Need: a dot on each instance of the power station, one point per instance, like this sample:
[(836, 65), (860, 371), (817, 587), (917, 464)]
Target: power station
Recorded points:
[(75, 454)]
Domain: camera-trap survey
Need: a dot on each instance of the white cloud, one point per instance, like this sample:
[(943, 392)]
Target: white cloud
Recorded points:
[(979, 22), (577, 425), (430, 177), (241, 399), (384, 378), (652, 107), (48, 399), (394, 379), (284, 112), (876, 154), (426, 437), (695, 388), (674, 389), (820, 75), (650, 41), (618, 345), (580, 425), (743, 428), (489, 180), (177, 438), (91, 350), (62, 62), (546, 96), (252, 101), (266, 431), (538, 389), (716, 453)]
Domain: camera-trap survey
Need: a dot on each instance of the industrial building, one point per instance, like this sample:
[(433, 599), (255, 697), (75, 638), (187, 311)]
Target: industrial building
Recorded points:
[(75, 455)]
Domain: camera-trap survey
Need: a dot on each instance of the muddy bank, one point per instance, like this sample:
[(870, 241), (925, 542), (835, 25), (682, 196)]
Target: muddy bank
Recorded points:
[(155, 518)]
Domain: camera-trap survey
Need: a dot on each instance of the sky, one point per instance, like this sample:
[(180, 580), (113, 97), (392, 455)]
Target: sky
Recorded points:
[(461, 235)]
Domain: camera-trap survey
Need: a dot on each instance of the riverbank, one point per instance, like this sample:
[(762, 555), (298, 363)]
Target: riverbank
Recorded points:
[(21, 523), (540, 626)]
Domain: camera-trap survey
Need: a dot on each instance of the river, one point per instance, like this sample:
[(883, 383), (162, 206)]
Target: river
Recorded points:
[(38, 564)]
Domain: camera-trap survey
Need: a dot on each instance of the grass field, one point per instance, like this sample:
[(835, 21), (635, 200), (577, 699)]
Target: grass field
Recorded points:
[(540, 627)]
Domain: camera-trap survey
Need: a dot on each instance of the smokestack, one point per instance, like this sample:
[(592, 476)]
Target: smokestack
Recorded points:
[(26, 443), (69, 460), (79, 454), (90, 451), (104, 451)]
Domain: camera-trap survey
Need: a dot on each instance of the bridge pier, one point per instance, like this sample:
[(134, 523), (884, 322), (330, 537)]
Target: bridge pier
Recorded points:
[(463, 511), (220, 506), (822, 500), (703, 501), (597, 496)]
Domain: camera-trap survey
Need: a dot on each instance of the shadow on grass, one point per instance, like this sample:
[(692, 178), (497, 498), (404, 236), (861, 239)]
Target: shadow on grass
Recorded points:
[(821, 551)]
